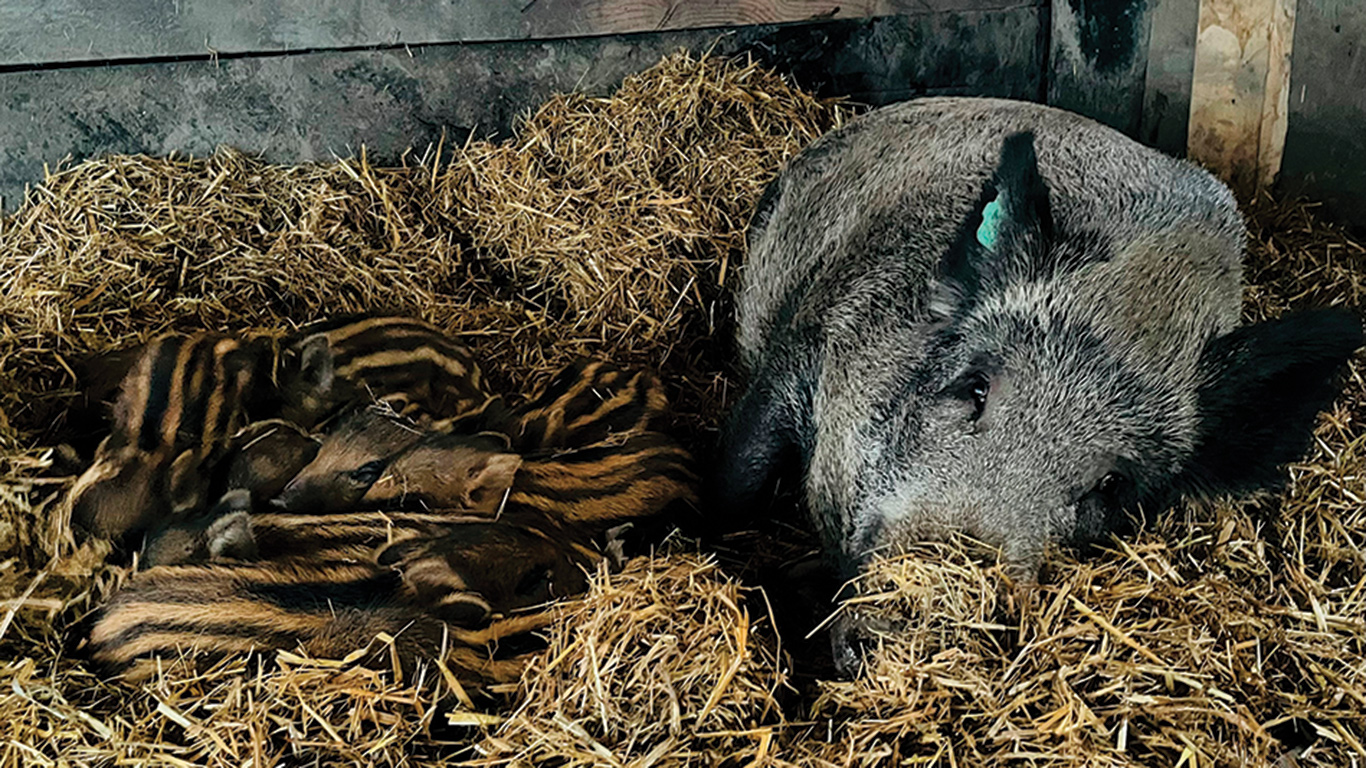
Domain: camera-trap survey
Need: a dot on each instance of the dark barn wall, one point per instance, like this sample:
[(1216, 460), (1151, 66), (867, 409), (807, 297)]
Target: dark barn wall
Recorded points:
[(1325, 144), (1098, 58), (1166, 107), (303, 106)]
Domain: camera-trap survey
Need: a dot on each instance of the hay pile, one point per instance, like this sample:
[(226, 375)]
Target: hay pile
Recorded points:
[(604, 227), (1217, 637), (665, 666)]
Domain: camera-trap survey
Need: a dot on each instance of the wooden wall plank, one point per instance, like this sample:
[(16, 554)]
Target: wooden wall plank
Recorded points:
[(1167, 83), (63, 31), (1276, 93), (311, 106), (47, 31), (1098, 59), (1325, 144), (1238, 89), (550, 18)]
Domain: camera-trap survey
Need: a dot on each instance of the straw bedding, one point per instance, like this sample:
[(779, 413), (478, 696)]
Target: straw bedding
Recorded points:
[(1225, 636)]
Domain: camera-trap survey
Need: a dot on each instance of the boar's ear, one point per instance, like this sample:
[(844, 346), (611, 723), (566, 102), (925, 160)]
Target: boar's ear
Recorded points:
[(1018, 211), (1006, 232), (1263, 385)]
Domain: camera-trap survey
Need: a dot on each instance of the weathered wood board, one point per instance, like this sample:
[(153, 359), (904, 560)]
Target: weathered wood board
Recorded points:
[(1098, 58), (48, 31), (1167, 82), (1325, 143), (312, 106), (1239, 88)]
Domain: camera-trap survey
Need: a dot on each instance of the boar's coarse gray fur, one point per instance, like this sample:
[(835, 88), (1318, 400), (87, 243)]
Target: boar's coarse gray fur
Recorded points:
[(1007, 319)]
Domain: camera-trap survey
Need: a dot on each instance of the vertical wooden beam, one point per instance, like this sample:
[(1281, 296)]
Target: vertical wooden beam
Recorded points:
[(1276, 102), (1167, 86), (1240, 89), (1098, 54)]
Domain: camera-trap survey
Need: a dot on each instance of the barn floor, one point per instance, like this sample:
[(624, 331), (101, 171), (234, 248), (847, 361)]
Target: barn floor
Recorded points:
[(1225, 636)]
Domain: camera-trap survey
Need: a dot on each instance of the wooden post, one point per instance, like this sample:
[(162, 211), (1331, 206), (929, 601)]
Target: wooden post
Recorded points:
[(1240, 90), (1165, 123)]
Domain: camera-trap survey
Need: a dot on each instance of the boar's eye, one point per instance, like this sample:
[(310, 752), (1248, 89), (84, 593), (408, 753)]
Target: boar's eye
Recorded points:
[(1112, 485), (974, 388), (368, 473), (980, 388)]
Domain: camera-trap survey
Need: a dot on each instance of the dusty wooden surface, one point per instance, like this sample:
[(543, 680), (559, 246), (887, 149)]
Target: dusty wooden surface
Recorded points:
[(312, 106), (1238, 90)]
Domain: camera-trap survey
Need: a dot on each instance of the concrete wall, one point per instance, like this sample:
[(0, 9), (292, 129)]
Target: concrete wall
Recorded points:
[(311, 105), (303, 81), (1098, 59)]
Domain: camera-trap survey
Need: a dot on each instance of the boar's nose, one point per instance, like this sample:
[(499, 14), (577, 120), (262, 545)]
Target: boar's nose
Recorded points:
[(848, 647)]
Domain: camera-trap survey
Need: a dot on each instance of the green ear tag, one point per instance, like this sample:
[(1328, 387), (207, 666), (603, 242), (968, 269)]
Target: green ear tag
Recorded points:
[(989, 233)]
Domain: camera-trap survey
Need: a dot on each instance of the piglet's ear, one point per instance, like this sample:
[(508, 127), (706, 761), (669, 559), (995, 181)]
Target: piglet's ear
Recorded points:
[(317, 367), (1011, 221), (1264, 385), (490, 481), (185, 483)]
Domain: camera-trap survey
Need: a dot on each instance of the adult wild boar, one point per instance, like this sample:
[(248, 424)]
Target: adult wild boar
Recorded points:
[(1006, 319)]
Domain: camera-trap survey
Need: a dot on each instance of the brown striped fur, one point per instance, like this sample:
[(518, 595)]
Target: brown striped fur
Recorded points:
[(325, 611), (630, 477), (633, 477), (594, 464), (351, 361), (260, 461), (554, 503), (180, 399), (590, 490), (342, 537), (522, 559), (464, 567), (586, 403)]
